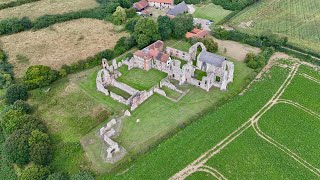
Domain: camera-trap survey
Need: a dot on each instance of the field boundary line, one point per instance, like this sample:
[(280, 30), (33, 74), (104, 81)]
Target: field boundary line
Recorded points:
[(310, 78), (297, 105), (200, 161)]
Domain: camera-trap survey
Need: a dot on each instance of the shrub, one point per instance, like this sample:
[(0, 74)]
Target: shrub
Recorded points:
[(181, 25), (56, 176), (32, 123), (11, 121), (35, 172), (40, 148), (6, 75), (210, 44), (234, 4), (82, 176), (16, 147), (39, 76), (22, 106), (16, 92)]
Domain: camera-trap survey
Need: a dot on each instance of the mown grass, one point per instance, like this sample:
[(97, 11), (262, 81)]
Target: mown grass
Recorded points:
[(304, 91), (119, 92), (171, 93), (139, 78), (70, 113), (211, 11), (198, 74), (181, 45), (251, 157), (295, 129), (295, 19), (177, 152)]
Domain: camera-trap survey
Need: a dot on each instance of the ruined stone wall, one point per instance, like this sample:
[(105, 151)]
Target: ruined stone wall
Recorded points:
[(125, 87), (169, 85), (118, 98), (160, 91), (179, 54)]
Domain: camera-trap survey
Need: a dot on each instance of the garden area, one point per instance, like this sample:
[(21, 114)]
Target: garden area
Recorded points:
[(139, 78)]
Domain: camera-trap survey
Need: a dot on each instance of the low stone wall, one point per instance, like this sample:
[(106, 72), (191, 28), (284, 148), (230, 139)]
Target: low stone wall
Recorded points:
[(118, 98), (160, 91), (125, 88), (169, 85)]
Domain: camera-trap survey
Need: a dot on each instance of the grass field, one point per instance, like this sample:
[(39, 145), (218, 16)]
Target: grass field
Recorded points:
[(180, 45), (70, 112), (244, 154), (119, 92), (39, 8), (60, 44), (140, 79), (210, 11), (296, 19)]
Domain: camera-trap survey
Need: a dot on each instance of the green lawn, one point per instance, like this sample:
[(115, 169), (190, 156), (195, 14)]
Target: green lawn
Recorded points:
[(198, 74), (171, 93), (72, 108), (139, 78), (183, 62), (178, 44), (211, 12), (298, 20), (119, 92), (177, 152)]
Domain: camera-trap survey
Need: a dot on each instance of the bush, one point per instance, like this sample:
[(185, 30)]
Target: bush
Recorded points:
[(35, 172), (210, 44), (11, 121), (22, 106), (16, 92), (56, 176), (6, 75), (16, 147), (234, 4), (40, 148), (32, 123), (15, 3), (39, 76), (82, 176)]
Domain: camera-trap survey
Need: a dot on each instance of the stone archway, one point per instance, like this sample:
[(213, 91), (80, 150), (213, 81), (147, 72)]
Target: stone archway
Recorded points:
[(193, 50)]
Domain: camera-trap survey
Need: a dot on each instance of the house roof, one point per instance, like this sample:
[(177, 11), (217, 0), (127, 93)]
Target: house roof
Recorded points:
[(141, 54), (141, 5), (211, 58), (200, 33), (158, 45), (178, 9), (162, 1), (154, 51)]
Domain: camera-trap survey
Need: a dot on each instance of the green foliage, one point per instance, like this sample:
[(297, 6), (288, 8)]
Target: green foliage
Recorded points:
[(258, 61), (210, 44), (39, 76), (56, 176), (35, 172), (82, 176), (40, 148), (16, 92), (187, 1), (6, 74), (22, 106), (33, 123), (11, 121), (145, 32), (234, 4), (131, 12), (131, 24), (119, 16), (182, 24), (14, 25), (16, 147), (164, 27), (15, 3)]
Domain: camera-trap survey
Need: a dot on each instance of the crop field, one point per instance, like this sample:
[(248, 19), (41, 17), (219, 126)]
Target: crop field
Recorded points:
[(296, 19), (43, 7), (60, 44), (245, 138), (140, 79), (211, 11)]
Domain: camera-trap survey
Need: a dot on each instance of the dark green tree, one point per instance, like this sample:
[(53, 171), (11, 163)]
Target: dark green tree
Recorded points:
[(164, 27), (145, 32), (182, 24), (40, 148), (16, 147), (11, 121), (16, 92), (82, 176), (56, 176)]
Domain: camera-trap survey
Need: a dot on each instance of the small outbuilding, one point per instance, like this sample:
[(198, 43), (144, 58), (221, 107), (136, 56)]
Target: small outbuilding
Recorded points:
[(197, 33), (181, 8), (141, 5)]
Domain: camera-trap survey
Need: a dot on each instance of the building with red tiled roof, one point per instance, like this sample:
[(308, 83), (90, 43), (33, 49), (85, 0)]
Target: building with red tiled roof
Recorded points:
[(151, 55), (141, 5), (198, 33), (161, 3)]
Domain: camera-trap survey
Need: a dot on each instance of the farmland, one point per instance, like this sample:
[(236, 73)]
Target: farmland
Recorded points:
[(39, 8), (60, 44), (298, 20), (210, 11), (245, 153)]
